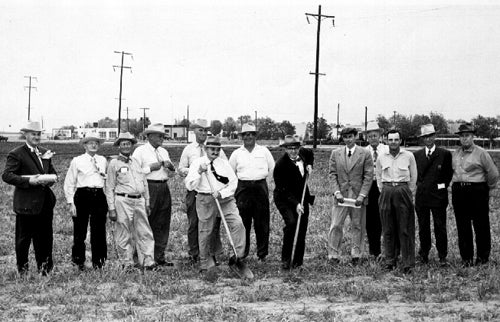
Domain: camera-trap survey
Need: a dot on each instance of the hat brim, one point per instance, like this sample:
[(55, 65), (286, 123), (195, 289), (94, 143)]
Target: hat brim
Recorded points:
[(117, 142), (466, 131), (31, 130), (427, 134), (294, 144), (213, 146), (153, 132)]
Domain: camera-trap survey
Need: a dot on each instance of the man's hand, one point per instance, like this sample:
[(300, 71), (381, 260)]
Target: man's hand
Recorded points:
[(359, 201), (182, 173), (216, 194), (112, 214), (300, 209), (148, 210), (169, 165), (203, 168), (34, 181), (72, 209), (339, 197), (309, 169), (155, 166)]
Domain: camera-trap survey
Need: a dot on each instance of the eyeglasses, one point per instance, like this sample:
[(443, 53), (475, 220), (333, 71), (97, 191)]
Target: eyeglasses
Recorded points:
[(248, 134)]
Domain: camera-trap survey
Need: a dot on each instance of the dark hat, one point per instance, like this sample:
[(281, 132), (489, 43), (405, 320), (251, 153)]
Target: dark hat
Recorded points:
[(290, 140), (466, 128), (348, 130), (213, 142), (125, 136)]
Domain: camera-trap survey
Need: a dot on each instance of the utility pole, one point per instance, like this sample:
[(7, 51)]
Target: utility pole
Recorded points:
[(29, 87), (338, 120), (187, 124), (144, 118), (121, 82), (394, 119), (366, 118), (318, 17), (128, 125), (256, 120)]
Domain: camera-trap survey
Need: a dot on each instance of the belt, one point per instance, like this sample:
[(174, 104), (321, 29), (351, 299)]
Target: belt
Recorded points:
[(90, 189), (129, 196), (252, 181), (158, 181), (203, 193), (467, 184), (395, 184)]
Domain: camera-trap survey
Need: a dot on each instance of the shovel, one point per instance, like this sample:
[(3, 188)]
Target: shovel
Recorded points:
[(298, 222)]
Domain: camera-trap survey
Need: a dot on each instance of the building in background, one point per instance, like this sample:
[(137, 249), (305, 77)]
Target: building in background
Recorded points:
[(107, 134)]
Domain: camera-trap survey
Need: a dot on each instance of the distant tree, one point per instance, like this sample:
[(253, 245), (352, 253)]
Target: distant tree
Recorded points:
[(229, 126), (268, 129), (183, 122), (242, 119), (285, 127), (215, 127), (135, 127), (69, 127), (323, 128), (107, 123), (383, 123), (486, 127), (439, 122), (418, 120)]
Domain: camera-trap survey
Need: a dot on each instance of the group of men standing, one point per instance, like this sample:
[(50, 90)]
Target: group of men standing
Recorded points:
[(381, 187)]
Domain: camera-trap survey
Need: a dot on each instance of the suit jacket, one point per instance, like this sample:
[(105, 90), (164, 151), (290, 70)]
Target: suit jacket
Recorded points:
[(307, 155), (357, 175), (289, 184), (28, 199), (431, 172)]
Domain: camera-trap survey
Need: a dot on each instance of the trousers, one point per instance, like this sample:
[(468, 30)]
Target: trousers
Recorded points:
[(161, 211)]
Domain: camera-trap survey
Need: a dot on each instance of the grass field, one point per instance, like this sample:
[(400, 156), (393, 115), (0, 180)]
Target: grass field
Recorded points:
[(318, 292)]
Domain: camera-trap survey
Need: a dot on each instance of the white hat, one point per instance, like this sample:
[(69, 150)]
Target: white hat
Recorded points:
[(32, 127), (155, 128), (203, 124), (426, 129), (92, 136), (373, 126), (248, 127), (125, 136)]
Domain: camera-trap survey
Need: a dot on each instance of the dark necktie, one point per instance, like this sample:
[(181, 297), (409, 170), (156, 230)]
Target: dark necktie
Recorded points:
[(429, 154), (375, 155), (349, 154), (219, 178), (123, 158)]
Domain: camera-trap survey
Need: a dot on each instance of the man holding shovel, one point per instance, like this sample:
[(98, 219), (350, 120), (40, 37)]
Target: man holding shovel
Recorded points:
[(215, 182)]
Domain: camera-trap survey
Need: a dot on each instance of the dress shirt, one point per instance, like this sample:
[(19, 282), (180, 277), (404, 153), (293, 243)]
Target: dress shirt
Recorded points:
[(126, 178), (198, 182), (255, 165), (83, 172), (401, 168), (474, 165), (381, 148), (299, 164), (431, 150), (146, 155), (35, 151), (347, 151), (192, 152)]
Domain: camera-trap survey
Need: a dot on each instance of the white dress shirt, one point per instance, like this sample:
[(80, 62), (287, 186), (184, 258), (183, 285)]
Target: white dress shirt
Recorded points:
[(84, 172), (147, 155), (192, 152), (198, 182), (255, 165), (381, 149), (431, 150)]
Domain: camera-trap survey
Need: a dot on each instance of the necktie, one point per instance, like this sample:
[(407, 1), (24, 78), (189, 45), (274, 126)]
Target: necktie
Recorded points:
[(38, 154), (219, 178), (375, 155), (158, 156), (123, 158), (429, 154), (349, 154), (201, 150)]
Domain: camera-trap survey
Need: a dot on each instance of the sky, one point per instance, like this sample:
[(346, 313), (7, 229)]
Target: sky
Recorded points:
[(232, 58)]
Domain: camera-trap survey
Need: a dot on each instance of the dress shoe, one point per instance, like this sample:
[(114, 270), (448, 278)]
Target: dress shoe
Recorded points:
[(285, 265), (152, 267), (163, 262), (443, 262)]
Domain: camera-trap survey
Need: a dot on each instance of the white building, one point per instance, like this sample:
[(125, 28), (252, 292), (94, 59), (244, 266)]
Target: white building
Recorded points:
[(107, 134)]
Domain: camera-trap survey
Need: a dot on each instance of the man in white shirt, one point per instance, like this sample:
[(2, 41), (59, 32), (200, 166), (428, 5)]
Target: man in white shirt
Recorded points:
[(351, 174), (156, 164), (373, 224), (83, 188), (253, 164), (213, 178), (190, 153)]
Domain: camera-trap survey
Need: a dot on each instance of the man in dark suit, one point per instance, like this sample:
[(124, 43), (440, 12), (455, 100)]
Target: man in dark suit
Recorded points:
[(434, 175), (28, 168), (289, 177)]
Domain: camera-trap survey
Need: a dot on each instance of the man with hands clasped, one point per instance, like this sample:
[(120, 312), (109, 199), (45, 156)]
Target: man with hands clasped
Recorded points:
[(84, 191), (128, 201), (351, 175)]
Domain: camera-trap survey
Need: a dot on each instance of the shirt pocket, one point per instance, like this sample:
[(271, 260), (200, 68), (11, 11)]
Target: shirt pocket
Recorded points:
[(403, 168), (260, 162)]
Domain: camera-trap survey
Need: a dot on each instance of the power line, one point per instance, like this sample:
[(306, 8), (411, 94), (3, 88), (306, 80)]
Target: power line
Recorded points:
[(121, 81), (318, 17), (29, 87)]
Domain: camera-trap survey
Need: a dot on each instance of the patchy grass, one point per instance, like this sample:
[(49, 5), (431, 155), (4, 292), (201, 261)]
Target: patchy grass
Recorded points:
[(317, 292)]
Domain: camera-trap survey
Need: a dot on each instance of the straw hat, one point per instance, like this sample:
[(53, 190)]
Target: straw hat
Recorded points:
[(32, 127), (373, 126), (248, 127), (427, 129), (213, 142), (155, 128), (201, 124), (91, 137), (125, 136)]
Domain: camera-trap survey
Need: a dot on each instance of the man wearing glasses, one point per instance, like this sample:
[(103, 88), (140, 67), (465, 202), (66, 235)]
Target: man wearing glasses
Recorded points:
[(253, 164)]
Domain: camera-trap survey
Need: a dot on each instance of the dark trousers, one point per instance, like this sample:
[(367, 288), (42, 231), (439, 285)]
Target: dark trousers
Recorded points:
[(39, 229), (424, 230), (252, 199), (398, 223), (90, 206), (290, 217), (470, 204), (159, 219), (192, 216), (373, 224)]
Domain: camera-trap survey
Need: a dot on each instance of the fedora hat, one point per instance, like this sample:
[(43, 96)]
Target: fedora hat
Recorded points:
[(289, 141), (125, 136), (213, 142), (298, 138), (373, 126), (155, 128), (348, 130), (200, 124), (427, 129), (92, 136), (466, 128), (248, 127), (32, 127)]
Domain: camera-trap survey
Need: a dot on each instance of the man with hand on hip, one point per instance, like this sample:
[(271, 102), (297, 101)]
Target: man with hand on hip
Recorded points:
[(84, 191)]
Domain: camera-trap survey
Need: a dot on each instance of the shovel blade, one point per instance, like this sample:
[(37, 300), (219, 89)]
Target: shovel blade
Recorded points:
[(241, 269)]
